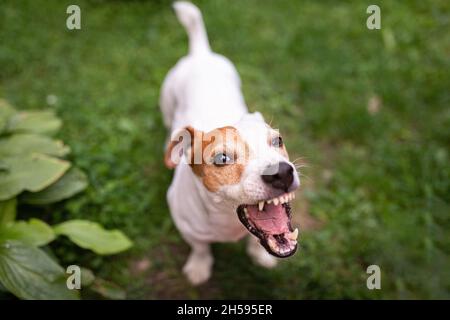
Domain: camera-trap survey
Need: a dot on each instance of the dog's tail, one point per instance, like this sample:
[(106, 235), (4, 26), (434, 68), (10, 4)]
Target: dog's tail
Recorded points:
[(191, 18)]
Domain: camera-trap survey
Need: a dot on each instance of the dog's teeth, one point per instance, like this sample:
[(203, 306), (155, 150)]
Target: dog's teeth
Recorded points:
[(293, 195), (245, 210), (269, 201), (293, 235), (275, 201), (290, 196), (261, 205), (282, 199), (272, 244)]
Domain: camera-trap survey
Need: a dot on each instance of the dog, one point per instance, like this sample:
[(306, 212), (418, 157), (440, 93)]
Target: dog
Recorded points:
[(233, 177)]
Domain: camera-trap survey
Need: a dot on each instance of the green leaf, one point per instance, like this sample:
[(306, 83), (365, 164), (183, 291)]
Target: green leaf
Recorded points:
[(6, 111), (32, 172), (91, 235), (7, 211), (29, 273), (44, 122), (71, 183), (34, 232), (108, 289), (25, 143)]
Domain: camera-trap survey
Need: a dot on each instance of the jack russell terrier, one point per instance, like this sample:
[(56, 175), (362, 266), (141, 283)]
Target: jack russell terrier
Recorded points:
[(233, 175)]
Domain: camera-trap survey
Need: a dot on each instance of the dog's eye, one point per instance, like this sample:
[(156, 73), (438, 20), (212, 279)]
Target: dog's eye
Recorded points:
[(221, 159), (277, 142)]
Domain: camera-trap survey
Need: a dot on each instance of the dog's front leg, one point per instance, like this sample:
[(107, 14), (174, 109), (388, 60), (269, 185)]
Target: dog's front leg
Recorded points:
[(199, 264), (259, 255)]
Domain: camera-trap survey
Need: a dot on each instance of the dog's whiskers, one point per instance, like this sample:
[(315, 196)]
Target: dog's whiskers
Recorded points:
[(299, 160), (301, 175)]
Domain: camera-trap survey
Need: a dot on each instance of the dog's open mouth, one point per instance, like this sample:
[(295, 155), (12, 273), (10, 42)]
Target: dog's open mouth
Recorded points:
[(270, 221)]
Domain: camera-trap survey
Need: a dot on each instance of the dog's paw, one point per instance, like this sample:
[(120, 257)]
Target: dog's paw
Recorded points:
[(198, 269)]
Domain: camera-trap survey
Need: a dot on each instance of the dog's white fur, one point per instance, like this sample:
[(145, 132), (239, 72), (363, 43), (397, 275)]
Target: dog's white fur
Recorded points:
[(203, 91)]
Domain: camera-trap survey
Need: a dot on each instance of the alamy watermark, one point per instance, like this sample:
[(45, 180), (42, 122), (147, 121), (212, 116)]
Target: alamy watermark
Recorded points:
[(73, 21), (74, 280), (374, 20), (374, 280)]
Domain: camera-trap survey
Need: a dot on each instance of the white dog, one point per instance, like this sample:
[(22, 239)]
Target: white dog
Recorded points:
[(233, 175)]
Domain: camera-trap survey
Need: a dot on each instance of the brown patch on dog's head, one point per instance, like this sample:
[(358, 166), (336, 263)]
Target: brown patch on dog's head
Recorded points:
[(218, 157), (224, 143)]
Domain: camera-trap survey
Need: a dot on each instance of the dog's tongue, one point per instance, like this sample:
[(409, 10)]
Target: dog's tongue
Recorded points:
[(272, 220)]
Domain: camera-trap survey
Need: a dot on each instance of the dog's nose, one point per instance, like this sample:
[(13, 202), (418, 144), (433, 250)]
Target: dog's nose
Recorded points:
[(279, 176)]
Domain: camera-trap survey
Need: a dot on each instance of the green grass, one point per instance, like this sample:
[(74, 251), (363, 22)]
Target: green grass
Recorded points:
[(378, 182)]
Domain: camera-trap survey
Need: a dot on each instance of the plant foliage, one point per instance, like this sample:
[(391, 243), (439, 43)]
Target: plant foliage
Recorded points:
[(32, 171)]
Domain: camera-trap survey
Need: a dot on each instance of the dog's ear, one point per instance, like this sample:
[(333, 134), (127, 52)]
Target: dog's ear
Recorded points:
[(180, 143)]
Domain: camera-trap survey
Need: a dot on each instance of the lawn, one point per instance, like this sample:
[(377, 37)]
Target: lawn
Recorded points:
[(367, 110)]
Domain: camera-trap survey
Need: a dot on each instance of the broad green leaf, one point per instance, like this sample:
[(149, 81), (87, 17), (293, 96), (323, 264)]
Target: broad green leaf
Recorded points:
[(32, 172), (25, 143), (29, 273), (91, 235), (108, 289), (7, 211), (35, 232), (44, 122), (71, 183), (6, 111)]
